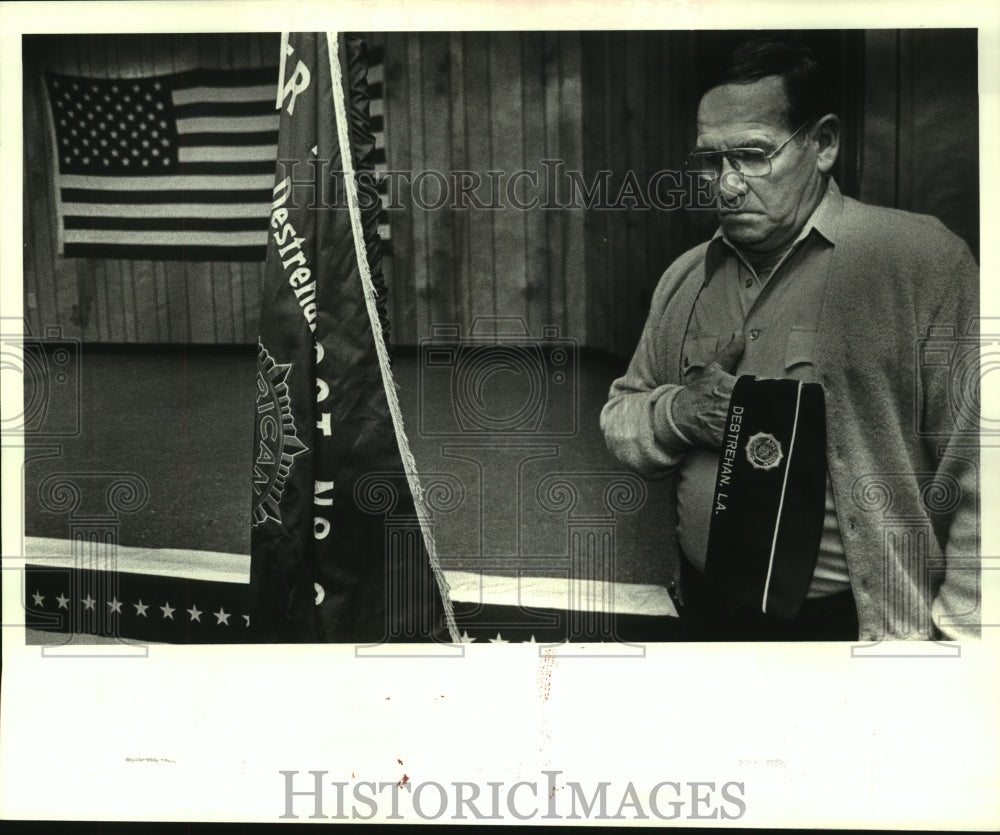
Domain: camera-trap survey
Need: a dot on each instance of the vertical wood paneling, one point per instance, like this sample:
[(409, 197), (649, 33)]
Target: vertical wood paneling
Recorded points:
[(479, 140), (402, 302), (39, 234), (538, 276), (632, 304), (73, 294), (945, 146), (461, 265), (439, 287), (551, 187), (919, 145), (571, 282), (237, 306), (507, 154), (598, 92), (905, 120), (617, 137), (417, 157), (397, 127), (654, 147)]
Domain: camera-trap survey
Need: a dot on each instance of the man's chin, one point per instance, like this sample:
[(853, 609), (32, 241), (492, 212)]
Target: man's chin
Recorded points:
[(743, 227)]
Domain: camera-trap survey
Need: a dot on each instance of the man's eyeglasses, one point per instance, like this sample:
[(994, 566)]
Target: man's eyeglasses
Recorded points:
[(750, 162)]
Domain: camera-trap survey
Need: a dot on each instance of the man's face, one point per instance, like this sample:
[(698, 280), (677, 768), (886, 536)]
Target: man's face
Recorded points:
[(760, 214)]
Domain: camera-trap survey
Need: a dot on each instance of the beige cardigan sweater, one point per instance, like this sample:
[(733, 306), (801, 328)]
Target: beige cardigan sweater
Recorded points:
[(893, 350)]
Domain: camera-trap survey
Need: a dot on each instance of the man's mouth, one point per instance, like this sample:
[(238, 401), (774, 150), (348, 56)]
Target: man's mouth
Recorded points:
[(733, 207)]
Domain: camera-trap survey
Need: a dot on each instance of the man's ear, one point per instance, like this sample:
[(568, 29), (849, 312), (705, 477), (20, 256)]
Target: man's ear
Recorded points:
[(826, 132)]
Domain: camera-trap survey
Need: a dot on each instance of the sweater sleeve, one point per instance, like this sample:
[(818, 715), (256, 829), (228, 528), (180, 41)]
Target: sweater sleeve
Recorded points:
[(636, 421), (955, 607)]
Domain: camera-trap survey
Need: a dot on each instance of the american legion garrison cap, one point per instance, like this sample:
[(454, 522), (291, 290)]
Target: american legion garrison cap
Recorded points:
[(770, 494)]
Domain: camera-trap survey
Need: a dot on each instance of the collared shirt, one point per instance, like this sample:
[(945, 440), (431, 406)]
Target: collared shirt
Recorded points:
[(779, 317)]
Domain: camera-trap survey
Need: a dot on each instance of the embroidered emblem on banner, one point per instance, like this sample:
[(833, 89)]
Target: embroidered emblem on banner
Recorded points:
[(764, 451), (277, 441)]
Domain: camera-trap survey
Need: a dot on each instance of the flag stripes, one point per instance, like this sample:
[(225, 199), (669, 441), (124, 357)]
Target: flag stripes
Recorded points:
[(166, 224), (118, 200), (76, 211), (162, 252)]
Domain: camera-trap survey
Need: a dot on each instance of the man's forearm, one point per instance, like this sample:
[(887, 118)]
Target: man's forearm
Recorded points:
[(637, 431)]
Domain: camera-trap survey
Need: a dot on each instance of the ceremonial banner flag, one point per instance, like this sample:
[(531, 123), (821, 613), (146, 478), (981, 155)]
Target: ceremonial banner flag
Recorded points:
[(170, 167), (770, 493), (340, 546)]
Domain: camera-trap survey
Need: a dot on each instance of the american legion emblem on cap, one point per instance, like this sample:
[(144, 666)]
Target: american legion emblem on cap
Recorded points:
[(764, 451)]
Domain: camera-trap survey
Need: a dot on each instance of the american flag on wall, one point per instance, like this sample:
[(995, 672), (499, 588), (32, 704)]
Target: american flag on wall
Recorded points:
[(173, 167)]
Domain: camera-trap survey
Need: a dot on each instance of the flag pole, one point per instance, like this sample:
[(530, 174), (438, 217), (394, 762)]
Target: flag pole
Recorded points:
[(409, 465)]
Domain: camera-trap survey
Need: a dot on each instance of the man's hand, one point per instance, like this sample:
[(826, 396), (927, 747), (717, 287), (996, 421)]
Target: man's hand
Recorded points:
[(699, 409)]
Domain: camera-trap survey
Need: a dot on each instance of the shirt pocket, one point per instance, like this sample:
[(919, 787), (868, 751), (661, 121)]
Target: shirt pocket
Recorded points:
[(699, 350), (800, 351)]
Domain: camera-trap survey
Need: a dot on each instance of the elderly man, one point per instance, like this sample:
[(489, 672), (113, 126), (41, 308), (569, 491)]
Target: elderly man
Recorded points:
[(802, 283)]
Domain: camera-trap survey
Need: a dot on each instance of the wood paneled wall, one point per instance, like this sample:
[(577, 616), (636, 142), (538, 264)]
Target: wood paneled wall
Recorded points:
[(100, 300), (614, 102), (921, 125), (483, 102), (639, 107)]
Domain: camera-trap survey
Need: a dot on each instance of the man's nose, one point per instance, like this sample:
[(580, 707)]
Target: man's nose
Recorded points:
[(731, 184)]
